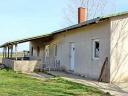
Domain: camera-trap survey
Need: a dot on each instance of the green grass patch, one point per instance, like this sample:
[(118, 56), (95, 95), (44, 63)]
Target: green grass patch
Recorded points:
[(16, 84)]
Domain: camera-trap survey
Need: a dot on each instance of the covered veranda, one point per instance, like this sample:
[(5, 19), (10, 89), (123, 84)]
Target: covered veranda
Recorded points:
[(10, 48), (22, 63)]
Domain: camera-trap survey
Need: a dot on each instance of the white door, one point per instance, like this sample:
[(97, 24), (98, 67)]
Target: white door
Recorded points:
[(72, 56)]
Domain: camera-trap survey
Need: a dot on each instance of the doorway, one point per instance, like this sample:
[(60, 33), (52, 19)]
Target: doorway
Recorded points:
[(72, 56)]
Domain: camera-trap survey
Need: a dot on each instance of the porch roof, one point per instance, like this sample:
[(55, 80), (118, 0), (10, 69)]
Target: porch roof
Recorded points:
[(86, 23), (24, 40)]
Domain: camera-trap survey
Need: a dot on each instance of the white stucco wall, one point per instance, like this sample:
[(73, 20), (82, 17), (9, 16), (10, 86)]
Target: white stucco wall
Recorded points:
[(119, 49), (24, 66), (82, 38)]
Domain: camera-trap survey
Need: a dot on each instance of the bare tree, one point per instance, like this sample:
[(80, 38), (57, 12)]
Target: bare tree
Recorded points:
[(95, 8)]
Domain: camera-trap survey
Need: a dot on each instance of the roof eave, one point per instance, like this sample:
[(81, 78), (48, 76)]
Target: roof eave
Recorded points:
[(89, 22)]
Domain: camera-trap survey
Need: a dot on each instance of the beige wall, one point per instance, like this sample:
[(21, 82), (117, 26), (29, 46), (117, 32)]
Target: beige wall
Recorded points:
[(23, 66), (84, 63), (35, 44), (119, 49), (82, 37)]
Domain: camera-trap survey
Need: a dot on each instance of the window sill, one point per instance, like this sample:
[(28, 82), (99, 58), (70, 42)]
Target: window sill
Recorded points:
[(96, 59)]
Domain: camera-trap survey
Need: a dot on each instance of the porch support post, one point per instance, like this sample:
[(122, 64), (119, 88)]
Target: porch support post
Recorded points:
[(16, 51), (11, 50), (8, 52), (3, 51)]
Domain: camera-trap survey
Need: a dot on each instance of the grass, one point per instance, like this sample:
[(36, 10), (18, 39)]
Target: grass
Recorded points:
[(14, 84)]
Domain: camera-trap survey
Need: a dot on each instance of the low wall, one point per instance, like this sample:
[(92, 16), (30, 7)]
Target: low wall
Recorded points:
[(8, 62), (24, 66)]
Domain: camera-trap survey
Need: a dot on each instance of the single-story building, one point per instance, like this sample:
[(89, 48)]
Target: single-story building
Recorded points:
[(97, 48)]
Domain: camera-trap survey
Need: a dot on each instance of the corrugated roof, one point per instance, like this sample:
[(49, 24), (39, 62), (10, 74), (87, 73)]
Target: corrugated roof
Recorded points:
[(88, 22)]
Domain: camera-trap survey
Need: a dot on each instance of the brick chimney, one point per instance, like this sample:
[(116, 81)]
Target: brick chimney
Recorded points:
[(82, 14)]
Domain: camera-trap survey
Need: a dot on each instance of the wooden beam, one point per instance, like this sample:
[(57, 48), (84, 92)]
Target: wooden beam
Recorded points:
[(103, 69)]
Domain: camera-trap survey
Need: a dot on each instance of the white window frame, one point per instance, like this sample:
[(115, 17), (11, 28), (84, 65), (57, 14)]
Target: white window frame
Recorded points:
[(94, 41)]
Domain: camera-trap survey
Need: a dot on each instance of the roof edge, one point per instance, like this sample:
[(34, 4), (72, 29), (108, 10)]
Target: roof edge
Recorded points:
[(88, 22)]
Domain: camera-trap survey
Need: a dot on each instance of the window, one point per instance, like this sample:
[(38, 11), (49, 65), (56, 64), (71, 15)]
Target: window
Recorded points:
[(96, 49), (32, 51), (38, 51)]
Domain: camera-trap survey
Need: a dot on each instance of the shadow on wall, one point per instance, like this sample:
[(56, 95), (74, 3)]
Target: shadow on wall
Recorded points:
[(119, 50)]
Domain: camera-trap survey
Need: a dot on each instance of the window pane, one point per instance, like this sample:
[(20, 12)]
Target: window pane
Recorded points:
[(96, 49)]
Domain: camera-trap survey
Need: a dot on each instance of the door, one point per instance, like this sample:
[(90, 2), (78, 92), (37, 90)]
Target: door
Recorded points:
[(72, 56)]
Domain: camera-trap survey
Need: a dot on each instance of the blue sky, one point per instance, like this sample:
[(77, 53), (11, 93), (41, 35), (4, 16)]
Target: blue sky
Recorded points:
[(26, 18)]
